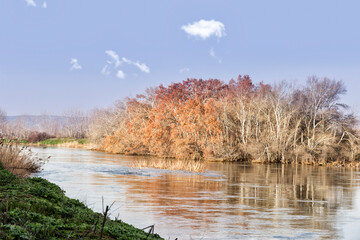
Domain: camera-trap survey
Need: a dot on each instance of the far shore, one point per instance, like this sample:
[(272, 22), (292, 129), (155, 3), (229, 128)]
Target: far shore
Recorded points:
[(165, 162)]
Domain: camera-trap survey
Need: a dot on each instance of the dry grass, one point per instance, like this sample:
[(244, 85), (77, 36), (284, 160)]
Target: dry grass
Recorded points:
[(171, 164), (75, 144), (20, 161)]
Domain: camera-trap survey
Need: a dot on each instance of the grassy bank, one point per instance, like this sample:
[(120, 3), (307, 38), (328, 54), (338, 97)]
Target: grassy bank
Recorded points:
[(66, 142), (56, 142), (34, 208)]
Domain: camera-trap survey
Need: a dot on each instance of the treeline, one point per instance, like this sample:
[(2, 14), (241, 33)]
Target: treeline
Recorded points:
[(234, 121), (74, 123), (213, 120)]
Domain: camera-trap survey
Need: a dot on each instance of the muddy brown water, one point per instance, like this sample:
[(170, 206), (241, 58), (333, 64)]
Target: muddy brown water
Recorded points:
[(228, 201)]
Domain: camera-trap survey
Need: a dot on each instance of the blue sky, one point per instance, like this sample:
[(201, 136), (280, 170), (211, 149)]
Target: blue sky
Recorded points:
[(56, 55)]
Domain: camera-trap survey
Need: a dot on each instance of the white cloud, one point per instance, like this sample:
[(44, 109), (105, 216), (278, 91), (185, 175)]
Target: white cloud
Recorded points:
[(182, 70), (213, 55), (120, 74), (126, 60), (205, 29), (115, 58), (75, 64), (105, 70), (212, 52), (30, 3), (141, 66), (116, 62)]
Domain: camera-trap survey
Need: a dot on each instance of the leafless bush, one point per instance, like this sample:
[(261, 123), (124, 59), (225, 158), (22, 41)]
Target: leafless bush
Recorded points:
[(38, 136)]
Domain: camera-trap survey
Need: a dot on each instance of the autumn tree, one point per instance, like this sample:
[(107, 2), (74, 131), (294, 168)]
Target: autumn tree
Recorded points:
[(239, 120)]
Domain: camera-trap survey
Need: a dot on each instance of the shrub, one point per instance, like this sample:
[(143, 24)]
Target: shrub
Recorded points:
[(38, 136)]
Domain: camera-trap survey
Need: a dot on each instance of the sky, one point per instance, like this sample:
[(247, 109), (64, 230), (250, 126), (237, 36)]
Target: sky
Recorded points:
[(85, 54)]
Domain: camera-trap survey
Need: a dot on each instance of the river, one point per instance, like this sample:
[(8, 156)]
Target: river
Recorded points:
[(228, 201)]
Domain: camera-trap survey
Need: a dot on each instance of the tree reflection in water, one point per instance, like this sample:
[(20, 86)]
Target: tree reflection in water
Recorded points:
[(229, 201), (251, 198)]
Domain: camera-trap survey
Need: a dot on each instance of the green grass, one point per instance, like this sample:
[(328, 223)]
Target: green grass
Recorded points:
[(52, 141), (23, 141), (20, 141), (55, 141), (82, 141), (34, 208)]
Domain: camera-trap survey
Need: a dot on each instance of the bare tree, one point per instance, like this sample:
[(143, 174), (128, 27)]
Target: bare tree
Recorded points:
[(3, 120), (18, 128), (104, 122), (76, 123), (50, 124)]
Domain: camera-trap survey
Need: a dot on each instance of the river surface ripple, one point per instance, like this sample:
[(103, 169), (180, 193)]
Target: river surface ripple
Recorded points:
[(228, 201)]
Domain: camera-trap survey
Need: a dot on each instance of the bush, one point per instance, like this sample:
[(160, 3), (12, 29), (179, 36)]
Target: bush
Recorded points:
[(38, 136)]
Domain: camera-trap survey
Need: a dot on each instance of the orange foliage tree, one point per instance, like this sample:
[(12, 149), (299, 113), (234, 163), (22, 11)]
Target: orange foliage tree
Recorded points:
[(239, 120)]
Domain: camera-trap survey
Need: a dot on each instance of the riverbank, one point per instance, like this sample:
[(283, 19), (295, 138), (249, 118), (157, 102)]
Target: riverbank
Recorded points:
[(171, 163), (82, 143), (174, 163), (193, 165), (34, 208)]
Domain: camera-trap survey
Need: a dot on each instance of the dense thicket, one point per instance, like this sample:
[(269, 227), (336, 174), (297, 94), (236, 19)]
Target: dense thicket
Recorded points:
[(239, 120)]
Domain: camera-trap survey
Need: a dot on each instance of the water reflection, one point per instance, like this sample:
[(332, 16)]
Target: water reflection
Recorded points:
[(229, 201)]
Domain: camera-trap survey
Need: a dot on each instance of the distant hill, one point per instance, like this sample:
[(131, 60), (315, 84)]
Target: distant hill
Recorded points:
[(37, 118), (10, 118)]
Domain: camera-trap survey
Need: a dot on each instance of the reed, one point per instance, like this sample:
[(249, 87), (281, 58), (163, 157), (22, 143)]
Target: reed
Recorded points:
[(171, 164), (20, 161)]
